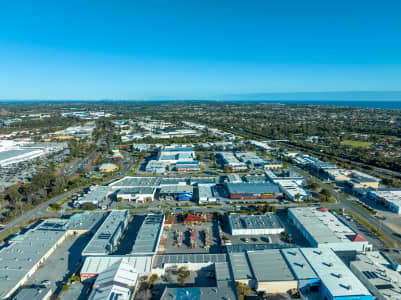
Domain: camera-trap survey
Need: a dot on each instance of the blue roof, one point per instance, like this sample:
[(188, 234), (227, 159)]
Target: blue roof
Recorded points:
[(187, 293), (195, 162)]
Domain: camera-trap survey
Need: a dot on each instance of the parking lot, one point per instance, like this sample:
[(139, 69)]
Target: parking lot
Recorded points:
[(179, 238), (358, 228)]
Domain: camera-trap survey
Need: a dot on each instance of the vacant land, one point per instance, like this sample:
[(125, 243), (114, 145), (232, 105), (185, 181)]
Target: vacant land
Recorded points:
[(357, 144)]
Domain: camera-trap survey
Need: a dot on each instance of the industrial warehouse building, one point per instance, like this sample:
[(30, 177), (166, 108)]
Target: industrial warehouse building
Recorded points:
[(292, 190), (322, 229), (97, 195), (130, 182), (20, 260), (377, 273), (253, 190), (315, 273), (107, 236), (94, 265), (148, 237), (187, 166), (255, 224), (191, 261), (206, 194), (176, 192), (337, 281), (116, 282), (137, 194), (231, 161)]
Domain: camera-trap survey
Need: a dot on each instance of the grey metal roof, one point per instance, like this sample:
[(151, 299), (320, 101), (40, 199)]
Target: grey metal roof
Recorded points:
[(95, 194), (100, 243), (255, 178), (269, 265), (224, 290), (240, 266), (268, 220), (205, 191), (175, 189), (203, 180), (137, 190), (254, 247), (149, 235), (88, 220), (161, 260), (252, 188), (37, 293), (298, 264), (223, 271), (19, 258), (137, 181)]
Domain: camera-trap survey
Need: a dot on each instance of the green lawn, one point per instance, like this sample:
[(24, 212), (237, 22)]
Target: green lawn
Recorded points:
[(357, 144)]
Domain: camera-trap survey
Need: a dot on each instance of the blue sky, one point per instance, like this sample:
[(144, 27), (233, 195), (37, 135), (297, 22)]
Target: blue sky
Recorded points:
[(196, 49)]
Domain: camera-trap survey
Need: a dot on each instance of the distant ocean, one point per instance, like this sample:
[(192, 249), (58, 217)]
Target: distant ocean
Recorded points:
[(362, 104)]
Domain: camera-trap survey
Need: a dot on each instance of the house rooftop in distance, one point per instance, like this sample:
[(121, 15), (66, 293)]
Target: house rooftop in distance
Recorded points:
[(148, 237)]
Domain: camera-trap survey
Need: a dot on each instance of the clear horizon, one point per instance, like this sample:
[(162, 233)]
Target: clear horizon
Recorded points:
[(211, 50)]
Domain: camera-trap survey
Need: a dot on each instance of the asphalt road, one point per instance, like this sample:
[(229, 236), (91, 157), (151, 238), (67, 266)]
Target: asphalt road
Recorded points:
[(39, 211), (348, 205)]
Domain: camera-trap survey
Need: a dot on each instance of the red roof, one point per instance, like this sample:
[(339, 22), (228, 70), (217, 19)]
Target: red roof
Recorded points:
[(193, 218), (323, 209), (356, 238)]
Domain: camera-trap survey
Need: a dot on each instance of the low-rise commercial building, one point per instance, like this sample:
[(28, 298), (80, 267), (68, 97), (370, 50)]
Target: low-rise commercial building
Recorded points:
[(268, 223), (322, 229), (390, 198), (106, 238)]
